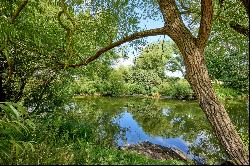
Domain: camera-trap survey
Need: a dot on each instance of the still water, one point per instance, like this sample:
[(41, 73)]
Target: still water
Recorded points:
[(176, 124)]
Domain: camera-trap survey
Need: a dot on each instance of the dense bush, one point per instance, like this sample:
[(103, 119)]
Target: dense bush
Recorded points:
[(85, 86), (225, 92), (114, 84), (165, 89), (178, 90), (182, 90), (133, 88)]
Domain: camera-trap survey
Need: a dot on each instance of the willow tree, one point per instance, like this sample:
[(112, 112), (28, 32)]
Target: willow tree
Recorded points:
[(191, 45)]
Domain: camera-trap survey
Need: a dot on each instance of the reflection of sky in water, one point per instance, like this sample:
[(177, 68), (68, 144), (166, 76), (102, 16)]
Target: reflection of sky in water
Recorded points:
[(183, 119), (166, 111), (135, 134)]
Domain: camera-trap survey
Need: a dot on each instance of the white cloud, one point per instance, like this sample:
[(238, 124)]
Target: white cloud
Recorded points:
[(174, 74), (124, 62)]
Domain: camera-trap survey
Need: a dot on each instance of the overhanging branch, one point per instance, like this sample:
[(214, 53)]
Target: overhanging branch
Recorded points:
[(12, 18), (134, 36)]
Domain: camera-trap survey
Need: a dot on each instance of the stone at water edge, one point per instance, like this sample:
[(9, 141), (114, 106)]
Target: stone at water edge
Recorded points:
[(156, 151)]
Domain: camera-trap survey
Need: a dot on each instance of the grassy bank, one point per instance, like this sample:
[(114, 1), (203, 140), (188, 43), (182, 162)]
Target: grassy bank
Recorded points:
[(224, 94)]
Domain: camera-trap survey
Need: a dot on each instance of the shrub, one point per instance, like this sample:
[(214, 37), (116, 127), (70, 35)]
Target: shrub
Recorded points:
[(179, 89), (165, 89), (137, 89), (182, 90), (15, 132), (85, 86), (224, 93), (115, 84)]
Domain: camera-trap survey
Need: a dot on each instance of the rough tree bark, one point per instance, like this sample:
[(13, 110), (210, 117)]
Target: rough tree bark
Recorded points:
[(192, 50)]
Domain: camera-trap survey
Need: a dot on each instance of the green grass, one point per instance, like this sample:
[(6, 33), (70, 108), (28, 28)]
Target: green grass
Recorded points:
[(83, 153), (92, 154)]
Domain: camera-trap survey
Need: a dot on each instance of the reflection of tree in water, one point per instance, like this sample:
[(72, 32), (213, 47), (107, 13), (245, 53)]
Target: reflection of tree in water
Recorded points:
[(208, 148), (150, 119), (162, 118), (239, 115), (179, 119), (99, 112)]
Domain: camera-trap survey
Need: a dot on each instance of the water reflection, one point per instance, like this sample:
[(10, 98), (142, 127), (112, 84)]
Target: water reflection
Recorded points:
[(175, 124), (136, 134)]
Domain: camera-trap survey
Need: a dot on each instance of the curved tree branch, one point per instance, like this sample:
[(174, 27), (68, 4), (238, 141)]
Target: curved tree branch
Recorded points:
[(134, 36), (206, 23), (13, 19)]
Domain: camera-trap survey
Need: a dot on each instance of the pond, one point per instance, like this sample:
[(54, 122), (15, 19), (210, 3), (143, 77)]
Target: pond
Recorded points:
[(176, 124)]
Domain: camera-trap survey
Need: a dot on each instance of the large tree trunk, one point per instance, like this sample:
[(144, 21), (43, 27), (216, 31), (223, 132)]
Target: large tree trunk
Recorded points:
[(192, 50), (197, 75), (198, 78)]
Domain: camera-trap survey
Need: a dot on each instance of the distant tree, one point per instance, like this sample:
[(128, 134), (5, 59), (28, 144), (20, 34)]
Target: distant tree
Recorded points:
[(154, 57)]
